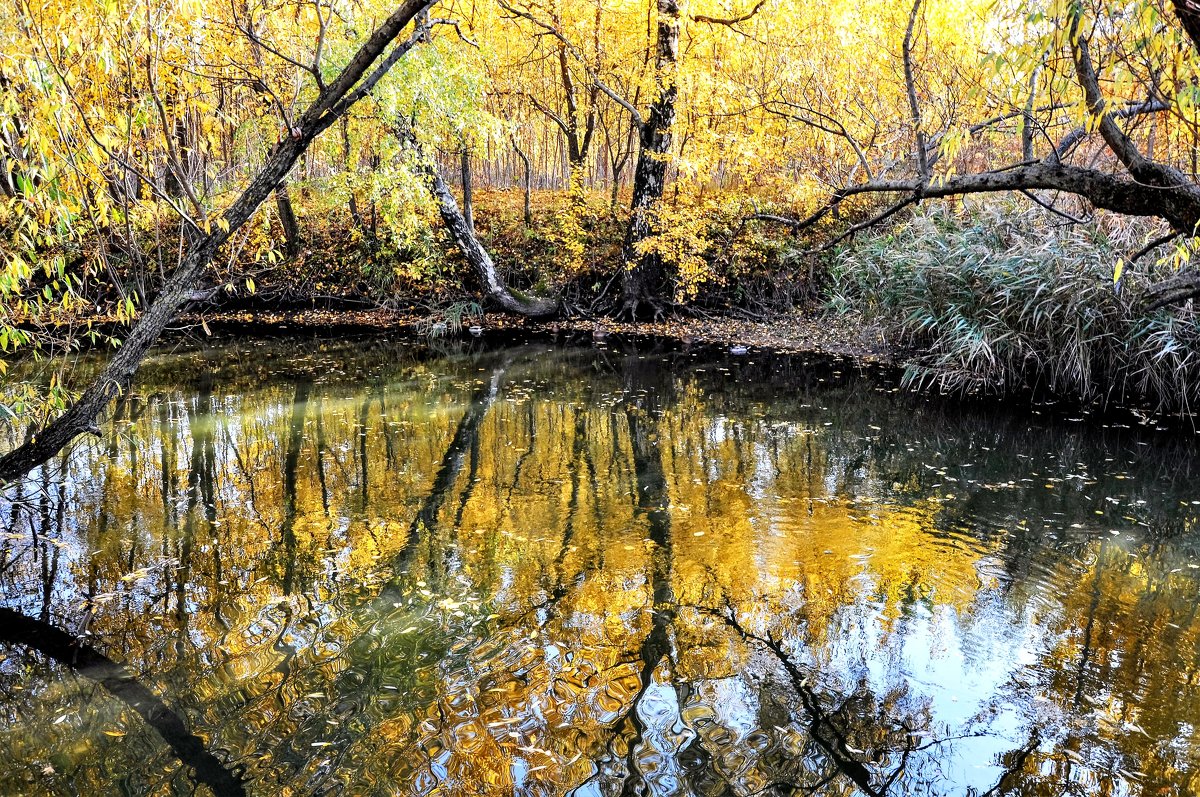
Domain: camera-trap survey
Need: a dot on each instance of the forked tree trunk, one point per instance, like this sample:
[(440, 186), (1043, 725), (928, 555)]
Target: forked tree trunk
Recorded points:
[(643, 274)]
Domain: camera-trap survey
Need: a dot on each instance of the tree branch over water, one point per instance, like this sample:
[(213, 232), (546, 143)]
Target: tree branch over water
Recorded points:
[(117, 680)]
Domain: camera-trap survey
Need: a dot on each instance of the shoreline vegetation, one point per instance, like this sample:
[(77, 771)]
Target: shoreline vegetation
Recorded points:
[(984, 298)]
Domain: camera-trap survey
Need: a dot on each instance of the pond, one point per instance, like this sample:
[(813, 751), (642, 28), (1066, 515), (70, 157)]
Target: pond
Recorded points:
[(368, 567)]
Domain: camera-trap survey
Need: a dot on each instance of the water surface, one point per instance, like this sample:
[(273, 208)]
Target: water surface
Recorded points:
[(368, 568)]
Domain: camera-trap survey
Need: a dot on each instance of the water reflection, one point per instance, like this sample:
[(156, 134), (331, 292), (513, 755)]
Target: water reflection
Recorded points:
[(359, 568), (79, 657)]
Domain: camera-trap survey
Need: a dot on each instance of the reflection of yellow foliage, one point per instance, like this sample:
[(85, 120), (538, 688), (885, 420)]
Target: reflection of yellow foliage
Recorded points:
[(511, 647)]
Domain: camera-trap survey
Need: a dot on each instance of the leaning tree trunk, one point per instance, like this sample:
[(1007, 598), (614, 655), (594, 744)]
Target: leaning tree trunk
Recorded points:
[(480, 261), (644, 272), (351, 85), (476, 255)]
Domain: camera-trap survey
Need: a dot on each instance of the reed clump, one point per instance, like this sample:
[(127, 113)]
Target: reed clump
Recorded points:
[(999, 299)]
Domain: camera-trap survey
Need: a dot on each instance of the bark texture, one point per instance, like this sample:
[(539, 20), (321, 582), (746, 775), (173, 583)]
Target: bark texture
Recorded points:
[(643, 275)]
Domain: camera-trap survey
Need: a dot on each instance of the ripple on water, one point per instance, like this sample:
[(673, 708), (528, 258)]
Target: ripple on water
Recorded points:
[(952, 573)]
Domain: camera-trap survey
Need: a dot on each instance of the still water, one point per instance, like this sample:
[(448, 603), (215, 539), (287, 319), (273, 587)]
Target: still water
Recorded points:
[(369, 568)]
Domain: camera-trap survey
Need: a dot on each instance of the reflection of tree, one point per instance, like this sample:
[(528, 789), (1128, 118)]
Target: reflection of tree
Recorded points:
[(291, 459), (516, 588), (118, 681), (464, 441), (652, 502)]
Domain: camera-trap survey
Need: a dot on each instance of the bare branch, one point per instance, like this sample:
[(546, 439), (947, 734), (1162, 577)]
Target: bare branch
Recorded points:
[(795, 224), (729, 21), (831, 126), (322, 29), (1103, 190), (342, 92), (247, 30), (548, 112), (1152, 245), (419, 34), (1142, 168), (173, 161), (854, 229), (1047, 206), (619, 100), (551, 30), (1072, 139)]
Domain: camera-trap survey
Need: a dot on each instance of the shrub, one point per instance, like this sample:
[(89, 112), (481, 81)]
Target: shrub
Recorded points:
[(998, 299)]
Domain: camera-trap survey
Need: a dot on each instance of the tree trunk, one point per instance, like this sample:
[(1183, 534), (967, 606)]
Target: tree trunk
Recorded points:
[(287, 218), (351, 85), (356, 214), (617, 168), (528, 180), (576, 190), (468, 207), (478, 258), (643, 274)]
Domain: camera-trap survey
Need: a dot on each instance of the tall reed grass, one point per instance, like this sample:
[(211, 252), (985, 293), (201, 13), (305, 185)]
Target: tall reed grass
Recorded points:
[(1001, 299)]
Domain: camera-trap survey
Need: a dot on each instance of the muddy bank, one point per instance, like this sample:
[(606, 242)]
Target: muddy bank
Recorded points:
[(792, 333)]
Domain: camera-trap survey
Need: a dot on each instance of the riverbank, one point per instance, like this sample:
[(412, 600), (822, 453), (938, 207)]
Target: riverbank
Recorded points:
[(795, 332)]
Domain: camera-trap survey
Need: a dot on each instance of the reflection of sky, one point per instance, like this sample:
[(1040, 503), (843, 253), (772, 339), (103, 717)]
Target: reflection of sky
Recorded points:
[(960, 667)]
